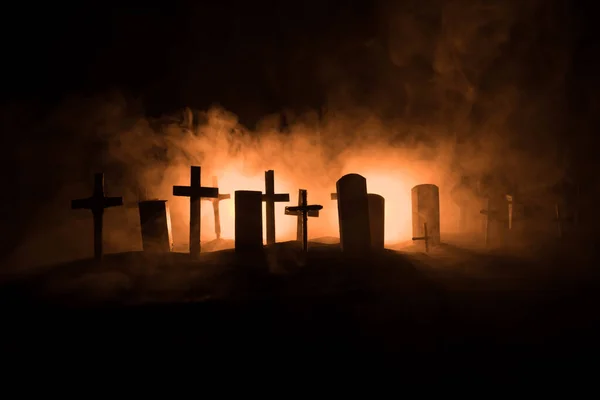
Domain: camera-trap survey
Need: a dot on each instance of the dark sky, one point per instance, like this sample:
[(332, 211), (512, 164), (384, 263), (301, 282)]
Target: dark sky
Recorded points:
[(172, 55), (252, 57), (190, 53)]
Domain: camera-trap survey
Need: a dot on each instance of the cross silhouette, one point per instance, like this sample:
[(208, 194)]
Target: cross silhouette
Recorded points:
[(424, 238), (304, 210), (97, 203), (195, 192), (270, 198), (215, 203)]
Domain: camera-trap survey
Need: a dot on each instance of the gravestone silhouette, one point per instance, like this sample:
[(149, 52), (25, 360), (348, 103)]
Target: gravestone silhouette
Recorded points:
[(195, 192), (215, 203), (426, 210), (303, 211), (377, 220), (353, 214), (248, 221), (270, 198), (155, 221), (96, 204)]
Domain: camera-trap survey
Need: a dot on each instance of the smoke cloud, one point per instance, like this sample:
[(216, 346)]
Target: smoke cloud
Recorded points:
[(439, 90)]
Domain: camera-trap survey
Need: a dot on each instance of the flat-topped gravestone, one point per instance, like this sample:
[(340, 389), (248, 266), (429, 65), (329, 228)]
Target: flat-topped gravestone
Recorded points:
[(303, 211), (270, 198), (248, 221), (155, 221), (195, 192), (215, 203), (377, 220), (97, 203), (426, 210), (353, 214)]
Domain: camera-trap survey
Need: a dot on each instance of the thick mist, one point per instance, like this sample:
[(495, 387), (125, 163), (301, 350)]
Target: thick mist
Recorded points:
[(441, 90)]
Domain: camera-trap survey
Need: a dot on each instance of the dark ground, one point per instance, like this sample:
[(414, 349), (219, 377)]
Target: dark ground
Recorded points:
[(451, 307)]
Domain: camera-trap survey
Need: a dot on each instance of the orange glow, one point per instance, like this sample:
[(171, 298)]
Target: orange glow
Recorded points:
[(394, 186)]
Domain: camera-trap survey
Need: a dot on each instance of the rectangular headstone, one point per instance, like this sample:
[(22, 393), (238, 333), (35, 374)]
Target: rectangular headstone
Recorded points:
[(426, 209), (155, 221), (353, 214), (248, 221), (377, 220)]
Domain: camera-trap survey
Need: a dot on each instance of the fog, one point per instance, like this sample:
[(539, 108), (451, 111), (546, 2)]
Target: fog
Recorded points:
[(439, 91)]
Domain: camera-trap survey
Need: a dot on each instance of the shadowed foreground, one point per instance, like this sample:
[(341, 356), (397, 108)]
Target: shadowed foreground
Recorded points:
[(449, 303)]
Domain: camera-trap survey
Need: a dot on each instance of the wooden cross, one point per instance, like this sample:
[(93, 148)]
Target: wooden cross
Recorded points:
[(97, 203), (303, 210), (270, 198), (195, 192), (312, 214), (215, 203), (424, 238)]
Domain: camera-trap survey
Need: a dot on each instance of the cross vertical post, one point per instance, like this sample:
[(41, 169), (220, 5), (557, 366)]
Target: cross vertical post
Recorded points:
[(303, 211), (424, 238), (270, 198), (215, 203), (195, 192), (96, 204)]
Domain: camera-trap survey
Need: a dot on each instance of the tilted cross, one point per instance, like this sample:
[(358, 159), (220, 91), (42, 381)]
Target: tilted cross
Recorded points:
[(270, 198), (303, 210), (215, 203), (195, 192), (97, 203), (424, 238)]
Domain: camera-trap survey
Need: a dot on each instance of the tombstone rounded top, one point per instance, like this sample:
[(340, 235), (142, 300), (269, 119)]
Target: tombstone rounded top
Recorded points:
[(375, 196), (352, 176), (426, 186)]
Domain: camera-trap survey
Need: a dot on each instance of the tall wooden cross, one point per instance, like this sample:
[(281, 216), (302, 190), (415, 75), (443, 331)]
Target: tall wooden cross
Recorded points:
[(270, 198), (215, 203), (97, 203), (195, 192), (303, 210), (424, 238)]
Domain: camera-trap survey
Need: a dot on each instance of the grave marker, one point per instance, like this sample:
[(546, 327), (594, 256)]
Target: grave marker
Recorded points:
[(496, 219), (195, 192), (311, 214), (97, 203), (248, 221), (155, 222), (353, 214), (270, 198), (425, 237), (215, 203), (426, 209), (377, 220), (303, 211)]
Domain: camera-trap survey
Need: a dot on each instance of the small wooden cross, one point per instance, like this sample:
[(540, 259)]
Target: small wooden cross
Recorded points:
[(303, 210), (424, 238), (97, 203), (195, 192), (270, 198), (215, 203)]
